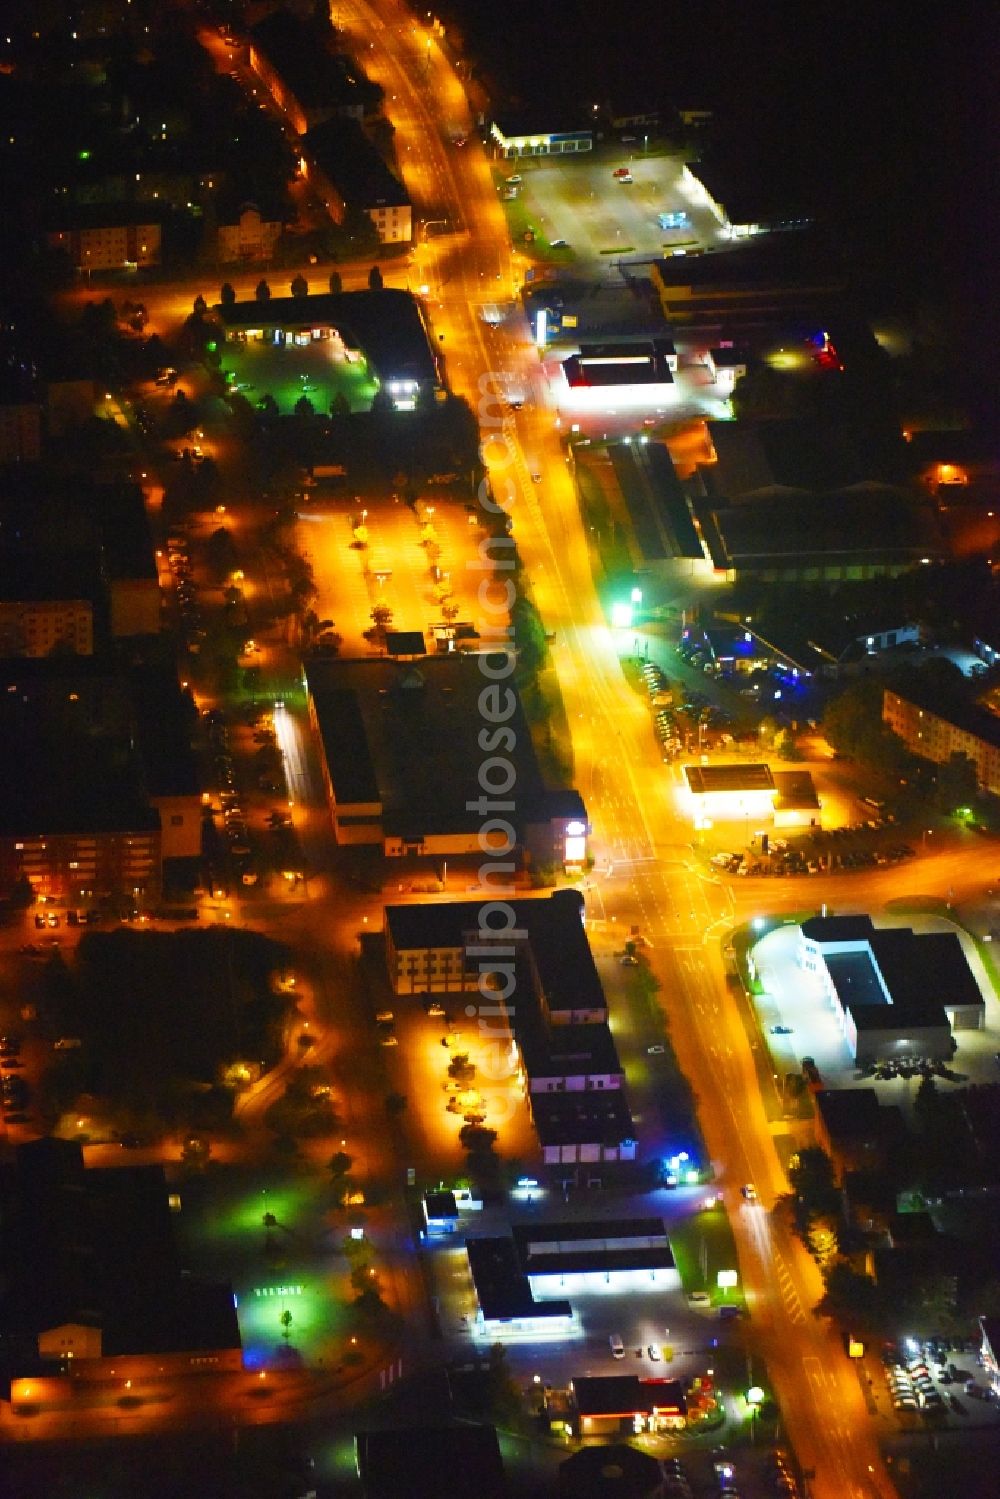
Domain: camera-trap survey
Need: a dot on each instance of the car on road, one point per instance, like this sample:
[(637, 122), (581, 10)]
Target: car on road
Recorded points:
[(748, 1192), (616, 1345), (620, 173), (781, 1030), (699, 1298), (654, 1352), (515, 180), (655, 1051), (629, 960)]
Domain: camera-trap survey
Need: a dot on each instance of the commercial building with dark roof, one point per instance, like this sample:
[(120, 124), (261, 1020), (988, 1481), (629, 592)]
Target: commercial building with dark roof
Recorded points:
[(895, 993), (387, 326), (611, 1403), (400, 747), (516, 133), (428, 1461), (503, 1291), (93, 1283), (935, 732)]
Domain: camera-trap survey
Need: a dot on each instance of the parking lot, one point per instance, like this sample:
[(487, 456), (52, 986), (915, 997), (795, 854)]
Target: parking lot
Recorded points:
[(940, 1378), (600, 216)]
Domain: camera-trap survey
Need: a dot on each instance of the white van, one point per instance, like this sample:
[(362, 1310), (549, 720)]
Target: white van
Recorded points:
[(617, 1346)]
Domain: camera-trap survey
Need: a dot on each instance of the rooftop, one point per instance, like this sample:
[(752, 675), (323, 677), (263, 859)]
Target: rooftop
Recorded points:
[(552, 924), (98, 1245), (849, 1113), (875, 522), (601, 1118), (343, 152), (318, 76), (707, 778), (502, 1288), (618, 1244), (627, 1395), (414, 735), (422, 1462), (387, 325), (975, 720)]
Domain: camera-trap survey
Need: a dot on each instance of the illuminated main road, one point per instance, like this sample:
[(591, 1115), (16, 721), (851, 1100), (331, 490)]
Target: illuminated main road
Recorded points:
[(626, 790)]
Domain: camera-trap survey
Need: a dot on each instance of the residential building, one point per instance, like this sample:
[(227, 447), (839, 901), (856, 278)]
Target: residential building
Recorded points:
[(246, 234), (308, 80), (344, 168), (936, 733), (106, 781), (107, 236), (43, 608), (895, 993), (93, 1285)]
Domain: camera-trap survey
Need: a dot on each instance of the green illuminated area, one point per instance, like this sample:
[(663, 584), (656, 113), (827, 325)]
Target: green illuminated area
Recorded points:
[(290, 371)]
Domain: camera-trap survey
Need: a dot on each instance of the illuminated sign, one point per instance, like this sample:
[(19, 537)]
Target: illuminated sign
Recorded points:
[(726, 1279), (541, 327), (576, 829), (621, 616)]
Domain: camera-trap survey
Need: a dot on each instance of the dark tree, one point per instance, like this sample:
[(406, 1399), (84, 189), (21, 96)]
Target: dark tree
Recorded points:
[(262, 291), (336, 283), (300, 286), (375, 279), (200, 305), (227, 294)]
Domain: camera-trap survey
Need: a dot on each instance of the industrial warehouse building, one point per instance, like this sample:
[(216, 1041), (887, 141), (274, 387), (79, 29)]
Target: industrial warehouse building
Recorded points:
[(896, 994), (400, 753)]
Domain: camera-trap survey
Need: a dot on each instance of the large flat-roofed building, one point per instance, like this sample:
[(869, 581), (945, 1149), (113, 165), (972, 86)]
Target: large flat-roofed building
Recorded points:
[(427, 1461), (865, 531), (529, 1277), (617, 1254), (936, 733), (895, 993), (93, 1285), (506, 1302), (400, 750), (550, 1011), (729, 793), (742, 207), (634, 373), (386, 326), (764, 282)]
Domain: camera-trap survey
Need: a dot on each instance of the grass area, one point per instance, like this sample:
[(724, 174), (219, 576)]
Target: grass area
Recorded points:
[(521, 222), (703, 1245), (289, 371)]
